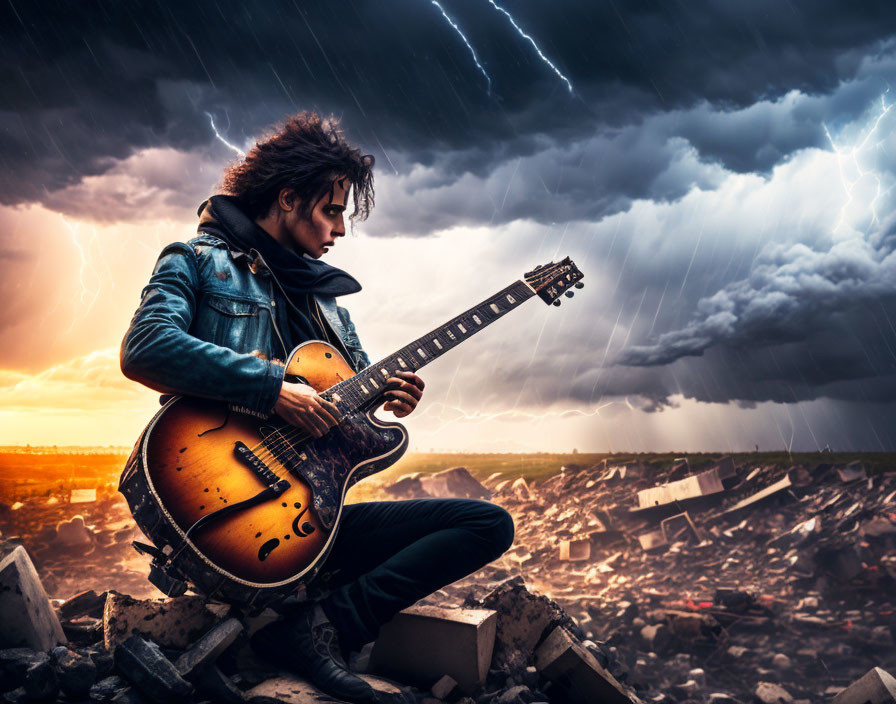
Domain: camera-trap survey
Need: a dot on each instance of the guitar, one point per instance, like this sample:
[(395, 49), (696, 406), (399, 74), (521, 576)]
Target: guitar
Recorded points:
[(247, 508)]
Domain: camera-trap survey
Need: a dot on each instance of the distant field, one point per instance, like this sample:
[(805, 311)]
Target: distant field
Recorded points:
[(41, 471)]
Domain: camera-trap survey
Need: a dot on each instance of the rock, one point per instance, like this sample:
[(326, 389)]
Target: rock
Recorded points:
[(85, 603), (523, 618), (27, 616), (521, 490), (408, 487), (76, 673), (686, 690), (40, 679), (141, 662), (129, 695), (216, 686), (770, 693), (106, 689), (207, 649), (172, 623), (73, 533), (721, 698), (292, 689), (781, 662), (519, 694), (102, 659), (455, 482), (656, 637), (16, 696)]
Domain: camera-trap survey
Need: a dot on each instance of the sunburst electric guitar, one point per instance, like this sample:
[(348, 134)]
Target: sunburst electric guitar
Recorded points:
[(246, 508)]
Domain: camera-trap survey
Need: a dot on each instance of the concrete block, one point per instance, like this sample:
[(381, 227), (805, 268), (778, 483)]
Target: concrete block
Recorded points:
[(570, 666), (82, 496), (207, 649), (27, 616), (172, 623), (445, 688), (874, 687), (575, 550), (422, 643), (703, 484), (141, 662)]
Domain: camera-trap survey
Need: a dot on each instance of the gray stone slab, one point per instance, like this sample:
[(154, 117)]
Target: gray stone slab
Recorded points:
[(27, 616), (207, 649), (141, 662)]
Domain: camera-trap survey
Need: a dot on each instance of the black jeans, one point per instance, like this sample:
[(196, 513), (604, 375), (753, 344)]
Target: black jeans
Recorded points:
[(390, 554)]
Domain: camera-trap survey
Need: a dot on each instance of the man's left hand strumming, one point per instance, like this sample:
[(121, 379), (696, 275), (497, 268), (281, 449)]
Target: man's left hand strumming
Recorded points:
[(405, 394)]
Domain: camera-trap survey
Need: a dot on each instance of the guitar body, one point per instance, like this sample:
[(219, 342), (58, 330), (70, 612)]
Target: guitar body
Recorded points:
[(186, 467)]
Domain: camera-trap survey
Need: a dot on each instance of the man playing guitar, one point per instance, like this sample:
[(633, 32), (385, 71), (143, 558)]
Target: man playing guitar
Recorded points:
[(217, 317)]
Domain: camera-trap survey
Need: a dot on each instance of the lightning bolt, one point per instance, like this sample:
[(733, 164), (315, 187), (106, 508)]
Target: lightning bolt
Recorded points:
[(221, 138), (469, 46), (851, 155), (534, 45), (82, 253)]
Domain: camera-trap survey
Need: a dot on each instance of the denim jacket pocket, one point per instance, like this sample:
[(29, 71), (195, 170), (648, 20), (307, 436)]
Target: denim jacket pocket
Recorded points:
[(228, 322)]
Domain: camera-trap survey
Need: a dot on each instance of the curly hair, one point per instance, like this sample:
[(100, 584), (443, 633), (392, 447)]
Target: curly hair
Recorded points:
[(306, 154)]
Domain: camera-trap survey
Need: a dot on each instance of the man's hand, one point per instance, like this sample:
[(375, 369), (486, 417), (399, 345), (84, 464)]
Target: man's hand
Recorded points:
[(300, 405), (406, 391)]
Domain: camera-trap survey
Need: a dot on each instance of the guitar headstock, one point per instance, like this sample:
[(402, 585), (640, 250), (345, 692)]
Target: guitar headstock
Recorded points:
[(551, 281)]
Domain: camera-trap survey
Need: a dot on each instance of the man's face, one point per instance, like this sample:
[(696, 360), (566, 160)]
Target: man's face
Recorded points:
[(314, 235)]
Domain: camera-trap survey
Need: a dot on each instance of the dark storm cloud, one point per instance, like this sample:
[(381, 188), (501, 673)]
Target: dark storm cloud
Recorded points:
[(88, 85)]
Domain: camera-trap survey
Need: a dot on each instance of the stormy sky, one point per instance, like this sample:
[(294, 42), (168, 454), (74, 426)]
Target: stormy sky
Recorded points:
[(722, 172)]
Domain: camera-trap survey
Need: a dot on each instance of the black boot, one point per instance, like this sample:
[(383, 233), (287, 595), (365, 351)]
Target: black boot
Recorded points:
[(308, 643)]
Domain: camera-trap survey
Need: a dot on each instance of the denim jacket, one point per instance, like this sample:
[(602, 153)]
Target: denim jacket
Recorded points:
[(212, 322)]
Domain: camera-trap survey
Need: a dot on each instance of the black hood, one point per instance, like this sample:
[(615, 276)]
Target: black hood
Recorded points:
[(298, 275)]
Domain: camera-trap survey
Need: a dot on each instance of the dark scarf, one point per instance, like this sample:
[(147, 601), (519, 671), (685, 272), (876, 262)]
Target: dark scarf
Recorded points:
[(298, 275)]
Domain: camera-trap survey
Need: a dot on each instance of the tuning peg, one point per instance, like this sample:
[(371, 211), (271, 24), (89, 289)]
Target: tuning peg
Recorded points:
[(569, 294), (579, 284), (557, 302)]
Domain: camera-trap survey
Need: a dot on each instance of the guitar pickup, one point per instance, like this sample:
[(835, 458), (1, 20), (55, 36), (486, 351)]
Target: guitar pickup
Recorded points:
[(245, 455)]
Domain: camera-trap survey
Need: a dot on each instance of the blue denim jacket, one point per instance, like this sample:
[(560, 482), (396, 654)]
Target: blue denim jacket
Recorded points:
[(212, 322)]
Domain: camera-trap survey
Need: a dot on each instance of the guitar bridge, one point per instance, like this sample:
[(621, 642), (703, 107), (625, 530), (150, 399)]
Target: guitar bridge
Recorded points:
[(261, 470)]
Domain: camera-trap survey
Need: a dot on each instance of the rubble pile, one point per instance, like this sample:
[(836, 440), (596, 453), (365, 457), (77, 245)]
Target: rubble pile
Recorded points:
[(114, 648), (716, 583), (712, 583)]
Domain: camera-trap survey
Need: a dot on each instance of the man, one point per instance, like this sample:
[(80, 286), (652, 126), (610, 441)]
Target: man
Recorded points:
[(217, 319)]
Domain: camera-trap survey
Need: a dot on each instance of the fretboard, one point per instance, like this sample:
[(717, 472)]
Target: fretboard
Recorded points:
[(370, 383)]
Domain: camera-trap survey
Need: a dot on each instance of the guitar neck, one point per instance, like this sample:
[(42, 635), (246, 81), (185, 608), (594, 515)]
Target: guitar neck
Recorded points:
[(369, 384)]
